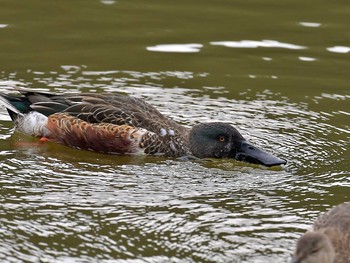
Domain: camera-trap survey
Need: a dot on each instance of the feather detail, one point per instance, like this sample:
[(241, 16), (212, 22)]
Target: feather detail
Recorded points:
[(336, 225), (33, 124), (104, 137), (329, 240)]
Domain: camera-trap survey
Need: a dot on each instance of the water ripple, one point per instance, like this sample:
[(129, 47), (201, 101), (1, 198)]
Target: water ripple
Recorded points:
[(63, 204)]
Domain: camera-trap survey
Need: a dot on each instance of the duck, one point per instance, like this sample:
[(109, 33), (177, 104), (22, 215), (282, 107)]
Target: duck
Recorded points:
[(120, 124), (329, 239)]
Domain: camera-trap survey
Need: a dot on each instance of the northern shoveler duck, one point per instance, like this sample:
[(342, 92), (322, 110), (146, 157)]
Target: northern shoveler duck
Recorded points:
[(329, 240), (119, 124)]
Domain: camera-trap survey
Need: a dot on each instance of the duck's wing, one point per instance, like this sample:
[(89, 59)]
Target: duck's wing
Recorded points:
[(102, 108)]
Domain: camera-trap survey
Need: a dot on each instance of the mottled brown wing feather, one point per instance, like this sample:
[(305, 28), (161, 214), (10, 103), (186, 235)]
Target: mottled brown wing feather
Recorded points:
[(106, 108)]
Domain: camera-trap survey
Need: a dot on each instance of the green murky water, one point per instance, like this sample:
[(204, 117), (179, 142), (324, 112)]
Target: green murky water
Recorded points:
[(277, 70)]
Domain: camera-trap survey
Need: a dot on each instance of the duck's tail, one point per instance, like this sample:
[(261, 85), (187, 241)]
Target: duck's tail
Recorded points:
[(16, 106), (13, 106), (26, 120)]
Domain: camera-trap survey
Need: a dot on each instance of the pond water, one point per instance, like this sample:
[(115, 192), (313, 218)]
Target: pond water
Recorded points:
[(277, 70)]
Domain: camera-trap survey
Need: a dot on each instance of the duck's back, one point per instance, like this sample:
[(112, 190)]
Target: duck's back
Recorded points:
[(103, 108)]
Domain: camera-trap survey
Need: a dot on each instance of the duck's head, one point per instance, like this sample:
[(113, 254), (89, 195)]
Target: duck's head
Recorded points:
[(221, 140), (313, 247)]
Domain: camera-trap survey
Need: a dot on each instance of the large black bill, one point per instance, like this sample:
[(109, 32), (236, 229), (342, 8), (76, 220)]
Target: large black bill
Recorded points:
[(251, 154)]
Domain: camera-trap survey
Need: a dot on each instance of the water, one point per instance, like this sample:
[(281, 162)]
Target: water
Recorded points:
[(278, 71)]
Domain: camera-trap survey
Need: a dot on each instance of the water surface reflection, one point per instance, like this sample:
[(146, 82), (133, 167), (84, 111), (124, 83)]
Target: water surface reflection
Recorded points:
[(62, 204)]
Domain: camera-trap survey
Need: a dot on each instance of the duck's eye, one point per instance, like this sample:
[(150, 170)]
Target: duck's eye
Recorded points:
[(222, 138)]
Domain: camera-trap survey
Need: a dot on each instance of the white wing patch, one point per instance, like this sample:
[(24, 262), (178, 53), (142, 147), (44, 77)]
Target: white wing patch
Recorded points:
[(163, 132), (171, 132)]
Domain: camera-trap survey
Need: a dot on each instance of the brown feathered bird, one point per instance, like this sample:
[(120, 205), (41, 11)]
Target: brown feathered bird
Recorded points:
[(329, 240), (119, 124)]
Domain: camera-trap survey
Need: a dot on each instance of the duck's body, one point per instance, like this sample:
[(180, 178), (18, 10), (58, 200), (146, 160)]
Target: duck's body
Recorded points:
[(119, 124), (109, 123), (329, 240)]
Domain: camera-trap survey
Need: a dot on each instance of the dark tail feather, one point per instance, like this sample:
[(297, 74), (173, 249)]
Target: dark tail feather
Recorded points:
[(44, 102), (20, 103), (13, 115), (15, 105)]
